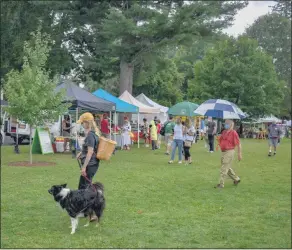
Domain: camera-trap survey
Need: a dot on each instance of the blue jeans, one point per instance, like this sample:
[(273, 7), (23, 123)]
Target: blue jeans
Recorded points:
[(177, 144)]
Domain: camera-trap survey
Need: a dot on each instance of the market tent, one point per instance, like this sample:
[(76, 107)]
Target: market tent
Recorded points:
[(127, 97), (268, 119), (162, 116), (121, 106), (147, 101), (80, 98)]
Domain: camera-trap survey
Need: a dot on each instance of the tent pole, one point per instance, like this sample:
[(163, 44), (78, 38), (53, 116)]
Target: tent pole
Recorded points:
[(76, 143), (138, 129), (110, 125), (115, 122)]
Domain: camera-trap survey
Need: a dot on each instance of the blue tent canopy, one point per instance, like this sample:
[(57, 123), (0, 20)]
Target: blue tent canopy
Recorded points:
[(121, 106)]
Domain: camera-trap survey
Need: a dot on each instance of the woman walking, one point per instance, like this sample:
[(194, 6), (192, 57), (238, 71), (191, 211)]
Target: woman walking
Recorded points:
[(87, 155), (126, 138), (229, 139), (158, 125), (178, 140), (189, 133)]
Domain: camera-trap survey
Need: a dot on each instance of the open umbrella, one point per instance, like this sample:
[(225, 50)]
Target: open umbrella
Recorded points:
[(184, 109), (218, 108)]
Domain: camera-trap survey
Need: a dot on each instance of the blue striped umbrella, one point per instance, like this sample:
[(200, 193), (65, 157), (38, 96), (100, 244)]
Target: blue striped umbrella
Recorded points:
[(218, 108)]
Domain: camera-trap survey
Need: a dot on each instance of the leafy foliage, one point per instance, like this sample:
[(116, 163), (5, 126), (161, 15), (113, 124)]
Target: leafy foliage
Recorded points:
[(18, 20), (283, 8), (273, 33), (238, 71), (163, 86), (30, 91)]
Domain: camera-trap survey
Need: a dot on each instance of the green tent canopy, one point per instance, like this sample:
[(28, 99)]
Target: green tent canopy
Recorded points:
[(183, 109)]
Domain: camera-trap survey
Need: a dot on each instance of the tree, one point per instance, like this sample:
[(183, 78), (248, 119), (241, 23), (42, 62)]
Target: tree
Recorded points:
[(18, 20), (163, 85), (241, 72), (132, 30), (283, 8), (31, 91), (118, 37), (273, 33)]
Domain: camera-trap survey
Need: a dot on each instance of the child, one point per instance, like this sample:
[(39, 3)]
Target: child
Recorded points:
[(227, 142)]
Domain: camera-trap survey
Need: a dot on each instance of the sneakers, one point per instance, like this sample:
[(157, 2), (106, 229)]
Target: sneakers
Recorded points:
[(274, 153), (166, 153), (270, 154), (211, 152), (170, 162), (180, 162)]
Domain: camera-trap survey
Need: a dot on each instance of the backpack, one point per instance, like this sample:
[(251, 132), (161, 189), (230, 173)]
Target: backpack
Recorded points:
[(162, 130)]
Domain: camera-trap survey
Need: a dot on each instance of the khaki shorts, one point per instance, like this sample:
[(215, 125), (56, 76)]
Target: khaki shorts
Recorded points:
[(168, 139)]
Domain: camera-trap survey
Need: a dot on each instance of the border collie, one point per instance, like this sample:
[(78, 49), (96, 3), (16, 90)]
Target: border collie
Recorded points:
[(80, 203)]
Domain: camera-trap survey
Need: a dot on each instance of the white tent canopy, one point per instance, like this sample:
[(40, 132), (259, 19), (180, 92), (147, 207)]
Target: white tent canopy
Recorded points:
[(268, 119), (127, 97), (145, 109), (144, 99), (162, 116)]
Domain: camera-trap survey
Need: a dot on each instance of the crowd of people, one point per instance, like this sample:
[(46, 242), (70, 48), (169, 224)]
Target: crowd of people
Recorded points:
[(178, 135)]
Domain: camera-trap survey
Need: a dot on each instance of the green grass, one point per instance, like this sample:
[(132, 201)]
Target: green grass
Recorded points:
[(151, 204)]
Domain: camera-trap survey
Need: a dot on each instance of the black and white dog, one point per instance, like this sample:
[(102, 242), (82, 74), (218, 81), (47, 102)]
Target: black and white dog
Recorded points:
[(80, 203)]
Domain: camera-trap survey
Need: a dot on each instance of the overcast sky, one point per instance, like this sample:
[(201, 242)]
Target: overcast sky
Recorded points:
[(248, 15)]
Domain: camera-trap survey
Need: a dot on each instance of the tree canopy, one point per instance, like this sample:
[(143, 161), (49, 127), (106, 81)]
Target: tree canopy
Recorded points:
[(239, 71)]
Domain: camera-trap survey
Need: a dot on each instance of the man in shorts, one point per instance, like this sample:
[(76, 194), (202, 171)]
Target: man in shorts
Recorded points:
[(168, 127), (274, 135)]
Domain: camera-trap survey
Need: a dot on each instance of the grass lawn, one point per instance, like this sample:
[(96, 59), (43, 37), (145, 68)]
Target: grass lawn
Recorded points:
[(151, 204)]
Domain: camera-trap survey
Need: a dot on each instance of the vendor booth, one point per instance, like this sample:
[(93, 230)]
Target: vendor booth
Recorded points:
[(143, 109), (121, 107), (82, 101), (162, 116)]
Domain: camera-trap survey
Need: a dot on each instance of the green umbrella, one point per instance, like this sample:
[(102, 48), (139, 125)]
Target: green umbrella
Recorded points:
[(184, 109)]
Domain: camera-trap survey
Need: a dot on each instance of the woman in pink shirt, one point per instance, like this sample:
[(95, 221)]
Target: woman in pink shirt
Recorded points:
[(158, 125)]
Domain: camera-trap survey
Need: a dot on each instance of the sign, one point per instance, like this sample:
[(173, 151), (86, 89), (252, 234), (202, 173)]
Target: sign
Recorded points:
[(42, 142)]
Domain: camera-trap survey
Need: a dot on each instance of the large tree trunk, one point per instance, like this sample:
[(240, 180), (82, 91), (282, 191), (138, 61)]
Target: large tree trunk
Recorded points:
[(126, 83), (126, 76), (30, 146)]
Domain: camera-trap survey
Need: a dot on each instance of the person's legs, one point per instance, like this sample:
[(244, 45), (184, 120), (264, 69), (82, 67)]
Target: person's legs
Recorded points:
[(158, 141), (90, 172), (173, 149), (187, 154), (180, 148), (153, 142), (166, 138), (82, 182), (226, 161), (275, 144), (270, 146), (169, 144), (206, 141), (211, 143)]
